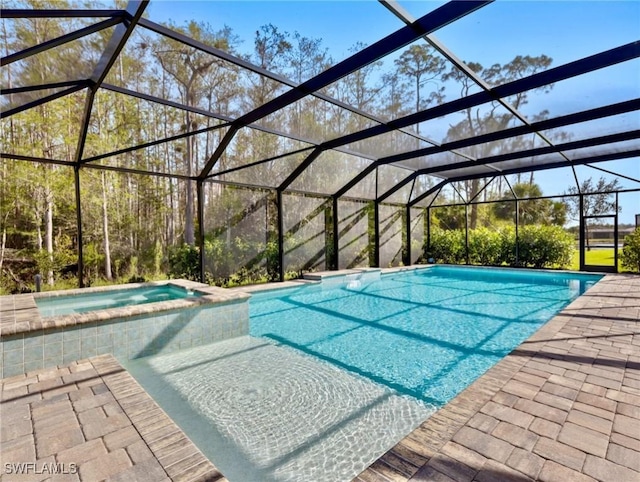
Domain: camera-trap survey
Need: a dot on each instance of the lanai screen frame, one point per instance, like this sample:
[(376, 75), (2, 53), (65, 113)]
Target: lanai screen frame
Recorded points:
[(125, 21)]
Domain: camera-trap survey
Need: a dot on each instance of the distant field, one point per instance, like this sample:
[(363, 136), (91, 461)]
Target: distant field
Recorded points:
[(597, 257)]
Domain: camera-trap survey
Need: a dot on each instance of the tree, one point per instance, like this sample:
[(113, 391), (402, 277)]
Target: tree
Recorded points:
[(531, 211), (420, 65), (493, 116)]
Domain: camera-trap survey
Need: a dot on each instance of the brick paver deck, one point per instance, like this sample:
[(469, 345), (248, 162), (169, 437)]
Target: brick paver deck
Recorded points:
[(91, 421), (563, 407)]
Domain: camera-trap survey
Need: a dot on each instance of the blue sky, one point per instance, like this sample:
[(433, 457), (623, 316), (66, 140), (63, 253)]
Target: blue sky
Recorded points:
[(563, 30)]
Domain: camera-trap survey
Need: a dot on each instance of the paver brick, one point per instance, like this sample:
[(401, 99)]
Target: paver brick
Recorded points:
[(493, 471), (490, 447), (19, 449), (149, 469), (627, 426), (103, 427), (520, 389), (452, 467), (102, 467), (463, 454), (9, 431), (593, 422), (121, 438), (604, 382), (607, 471), (624, 456), (526, 462), (560, 453), (57, 441), (79, 454), (560, 391), (540, 410), (630, 443), (138, 451), (545, 428), (507, 414), (426, 473), (632, 411), (515, 435), (554, 401), (483, 422), (584, 439), (554, 472)]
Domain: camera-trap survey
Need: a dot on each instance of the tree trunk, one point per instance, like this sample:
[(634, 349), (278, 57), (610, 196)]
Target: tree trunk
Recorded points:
[(105, 230)]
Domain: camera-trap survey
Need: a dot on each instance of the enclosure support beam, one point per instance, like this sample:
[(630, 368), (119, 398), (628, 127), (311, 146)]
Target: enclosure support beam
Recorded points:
[(76, 180), (427, 228), (407, 252), (56, 42), (280, 235), (466, 233), (517, 246), (376, 235), (615, 236), (200, 193), (585, 65), (582, 231), (336, 234)]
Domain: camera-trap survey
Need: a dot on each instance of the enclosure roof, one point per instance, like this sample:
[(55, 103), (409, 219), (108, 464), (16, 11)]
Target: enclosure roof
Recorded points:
[(405, 107)]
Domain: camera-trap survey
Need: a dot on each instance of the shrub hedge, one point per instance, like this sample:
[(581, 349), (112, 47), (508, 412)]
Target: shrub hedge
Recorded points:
[(538, 246), (630, 256)]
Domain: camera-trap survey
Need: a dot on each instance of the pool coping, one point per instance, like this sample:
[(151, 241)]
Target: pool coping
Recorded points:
[(20, 314)]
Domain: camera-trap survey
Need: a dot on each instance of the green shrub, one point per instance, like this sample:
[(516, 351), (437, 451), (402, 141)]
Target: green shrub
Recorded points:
[(184, 262), (542, 246), (538, 246), (630, 256), (447, 246), (485, 247)]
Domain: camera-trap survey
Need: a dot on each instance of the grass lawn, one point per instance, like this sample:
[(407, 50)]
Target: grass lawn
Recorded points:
[(595, 257)]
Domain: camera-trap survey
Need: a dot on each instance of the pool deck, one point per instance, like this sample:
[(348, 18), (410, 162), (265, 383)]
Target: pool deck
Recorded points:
[(564, 406)]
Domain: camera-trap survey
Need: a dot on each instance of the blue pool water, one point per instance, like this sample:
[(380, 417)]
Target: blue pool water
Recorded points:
[(427, 333), (82, 303), (333, 375)]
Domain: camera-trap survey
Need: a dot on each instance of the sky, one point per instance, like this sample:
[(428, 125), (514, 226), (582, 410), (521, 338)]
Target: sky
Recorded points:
[(563, 30)]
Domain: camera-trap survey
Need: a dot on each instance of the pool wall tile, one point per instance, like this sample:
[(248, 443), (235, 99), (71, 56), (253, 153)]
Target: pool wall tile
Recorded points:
[(125, 338)]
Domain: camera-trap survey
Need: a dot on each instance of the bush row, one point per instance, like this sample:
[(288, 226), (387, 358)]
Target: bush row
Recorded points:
[(538, 246), (630, 256)]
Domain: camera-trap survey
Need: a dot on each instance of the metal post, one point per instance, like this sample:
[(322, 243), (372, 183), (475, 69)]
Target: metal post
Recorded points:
[(280, 235), (615, 237), (336, 234), (582, 233), (407, 253), (76, 179), (466, 232), (376, 235), (200, 193), (517, 223), (427, 227)]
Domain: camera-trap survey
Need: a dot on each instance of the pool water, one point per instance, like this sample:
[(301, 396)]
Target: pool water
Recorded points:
[(82, 303), (333, 375)]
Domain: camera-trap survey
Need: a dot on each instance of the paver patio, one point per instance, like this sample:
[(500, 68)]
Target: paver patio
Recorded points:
[(564, 406)]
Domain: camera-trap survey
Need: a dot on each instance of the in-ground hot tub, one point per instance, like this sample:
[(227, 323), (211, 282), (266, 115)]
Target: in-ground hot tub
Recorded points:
[(43, 330), (102, 300)]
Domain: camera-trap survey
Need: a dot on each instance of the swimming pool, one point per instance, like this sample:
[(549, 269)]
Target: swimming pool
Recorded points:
[(101, 300), (335, 374)]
